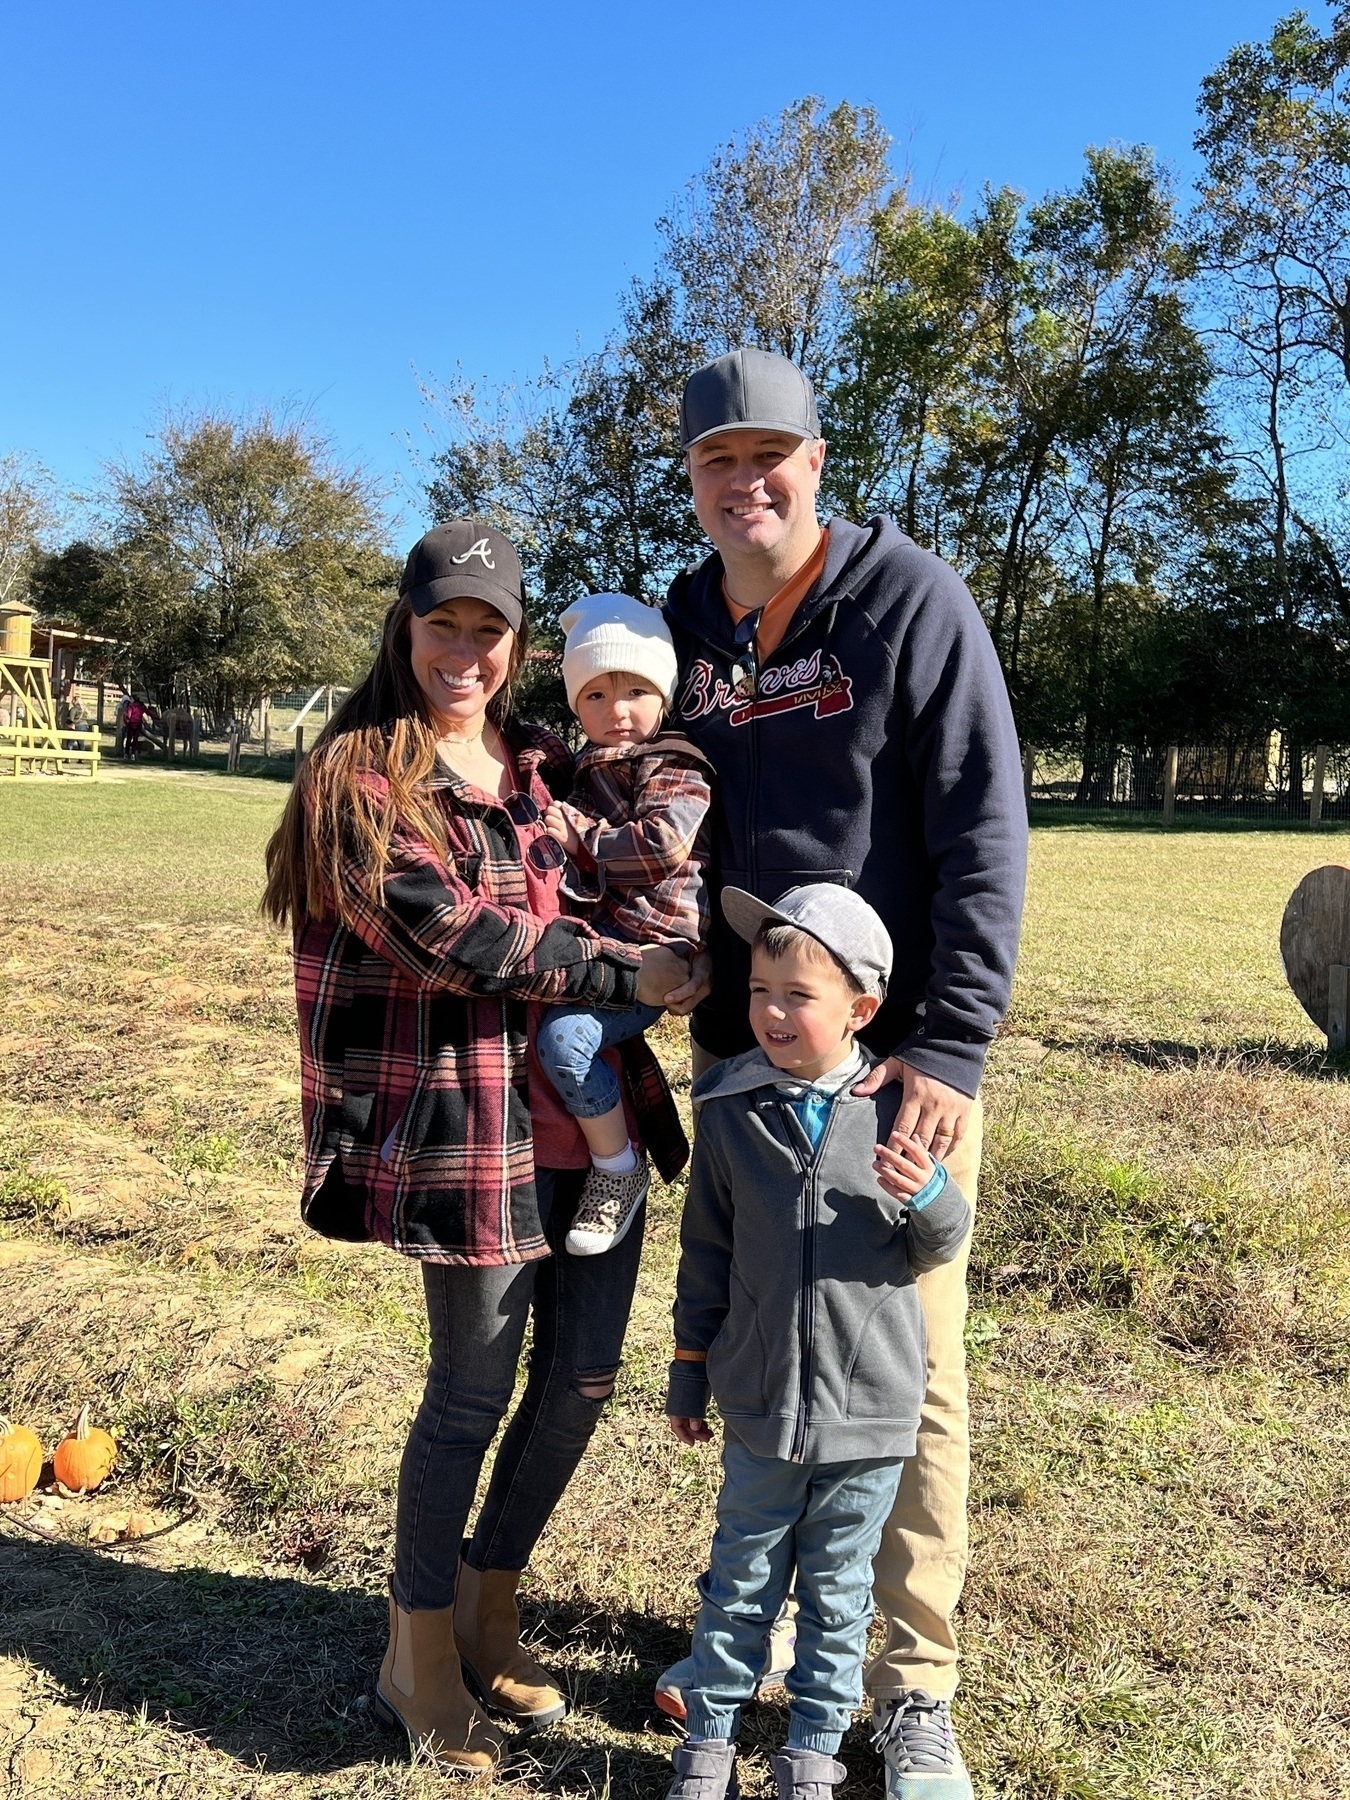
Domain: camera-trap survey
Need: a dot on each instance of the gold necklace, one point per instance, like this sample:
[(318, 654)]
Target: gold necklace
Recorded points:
[(463, 742)]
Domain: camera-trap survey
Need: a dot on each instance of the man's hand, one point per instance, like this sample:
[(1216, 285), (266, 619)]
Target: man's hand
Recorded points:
[(662, 970), (932, 1113), (691, 1431), (699, 985)]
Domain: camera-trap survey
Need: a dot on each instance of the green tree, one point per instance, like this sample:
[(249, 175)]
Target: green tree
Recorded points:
[(908, 358), (32, 512), (761, 241), (1026, 392), (1273, 232), (582, 467), (240, 557)]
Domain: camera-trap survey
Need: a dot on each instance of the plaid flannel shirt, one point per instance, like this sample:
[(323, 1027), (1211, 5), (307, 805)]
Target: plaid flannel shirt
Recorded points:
[(640, 874), (412, 1037)]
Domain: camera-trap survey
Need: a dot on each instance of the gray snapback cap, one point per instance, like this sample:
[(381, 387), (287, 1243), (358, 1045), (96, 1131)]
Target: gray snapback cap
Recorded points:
[(747, 390), (835, 916)]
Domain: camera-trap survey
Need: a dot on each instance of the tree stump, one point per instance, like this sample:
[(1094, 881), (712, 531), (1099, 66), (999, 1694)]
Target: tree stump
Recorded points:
[(1314, 936)]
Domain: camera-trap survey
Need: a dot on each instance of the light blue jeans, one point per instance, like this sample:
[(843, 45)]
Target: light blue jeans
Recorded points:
[(824, 1520), (570, 1040)]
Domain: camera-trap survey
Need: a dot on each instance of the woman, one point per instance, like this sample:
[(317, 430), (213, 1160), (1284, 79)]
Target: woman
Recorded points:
[(414, 869)]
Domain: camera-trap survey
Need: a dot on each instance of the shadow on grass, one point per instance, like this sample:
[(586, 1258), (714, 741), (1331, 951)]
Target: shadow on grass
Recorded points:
[(1253, 1053), (277, 1672), (1054, 816), (211, 761)]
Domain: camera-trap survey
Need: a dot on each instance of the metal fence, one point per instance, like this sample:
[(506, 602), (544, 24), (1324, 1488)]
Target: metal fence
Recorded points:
[(1265, 779)]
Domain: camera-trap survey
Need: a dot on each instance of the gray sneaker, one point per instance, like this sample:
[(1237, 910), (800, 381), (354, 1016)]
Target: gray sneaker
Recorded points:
[(704, 1772), (607, 1207), (918, 1747), (807, 1775)]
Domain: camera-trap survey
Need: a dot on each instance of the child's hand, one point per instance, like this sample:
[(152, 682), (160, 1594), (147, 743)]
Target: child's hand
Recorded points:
[(691, 1431), (561, 821), (903, 1166)]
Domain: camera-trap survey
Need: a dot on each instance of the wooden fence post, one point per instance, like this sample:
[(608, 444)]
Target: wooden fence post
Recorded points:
[(1338, 1003), (299, 745), (1028, 773), (1318, 786), (1170, 785)]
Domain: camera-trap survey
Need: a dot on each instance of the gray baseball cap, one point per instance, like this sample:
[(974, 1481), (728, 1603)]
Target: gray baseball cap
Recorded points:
[(469, 558), (837, 917), (747, 390)]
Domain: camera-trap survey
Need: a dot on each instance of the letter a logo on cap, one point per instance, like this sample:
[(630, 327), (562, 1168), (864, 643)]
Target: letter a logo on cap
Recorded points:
[(479, 548)]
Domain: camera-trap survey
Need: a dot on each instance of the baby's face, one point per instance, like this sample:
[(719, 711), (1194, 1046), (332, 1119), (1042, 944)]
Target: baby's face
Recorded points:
[(619, 709)]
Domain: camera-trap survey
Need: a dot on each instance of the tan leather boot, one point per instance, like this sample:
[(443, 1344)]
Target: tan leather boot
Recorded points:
[(487, 1634), (420, 1687)]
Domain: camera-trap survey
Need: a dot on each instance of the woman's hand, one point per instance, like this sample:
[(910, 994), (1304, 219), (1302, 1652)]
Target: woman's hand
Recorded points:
[(661, 971), (691, 1431), (687, 996), (566, 824)]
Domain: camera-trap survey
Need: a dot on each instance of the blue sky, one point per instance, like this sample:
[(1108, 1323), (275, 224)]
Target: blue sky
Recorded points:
[(313, 204)]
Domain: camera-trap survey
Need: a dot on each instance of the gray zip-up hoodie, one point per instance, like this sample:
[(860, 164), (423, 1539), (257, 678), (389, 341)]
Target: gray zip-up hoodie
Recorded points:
[(797, 1274)]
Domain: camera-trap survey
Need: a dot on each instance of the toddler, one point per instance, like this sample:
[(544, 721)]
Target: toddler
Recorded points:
[(634, 831), (796, 1307)]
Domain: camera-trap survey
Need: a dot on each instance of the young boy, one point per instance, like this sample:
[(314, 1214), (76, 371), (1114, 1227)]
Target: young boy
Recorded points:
[(635, 832), (796, 1305)]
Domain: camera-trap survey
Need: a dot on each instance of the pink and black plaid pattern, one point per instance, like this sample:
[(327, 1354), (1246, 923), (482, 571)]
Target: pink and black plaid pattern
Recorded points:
[(412, 1037), (640, 877)]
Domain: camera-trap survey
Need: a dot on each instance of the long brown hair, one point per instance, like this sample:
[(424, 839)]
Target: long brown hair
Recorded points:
[(332, 844)]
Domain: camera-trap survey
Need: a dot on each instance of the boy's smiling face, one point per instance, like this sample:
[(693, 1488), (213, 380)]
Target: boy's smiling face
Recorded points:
[(802, 1010)]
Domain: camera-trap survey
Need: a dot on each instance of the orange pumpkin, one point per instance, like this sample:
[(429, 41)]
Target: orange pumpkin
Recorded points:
[(20, 1460), (84, 1456)]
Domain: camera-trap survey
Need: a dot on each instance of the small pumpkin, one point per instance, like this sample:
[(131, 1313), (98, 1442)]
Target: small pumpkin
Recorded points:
[(84, 1456), (20, 1460)]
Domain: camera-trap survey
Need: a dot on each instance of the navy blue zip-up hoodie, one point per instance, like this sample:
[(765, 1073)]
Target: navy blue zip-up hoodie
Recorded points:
[(879, 751)]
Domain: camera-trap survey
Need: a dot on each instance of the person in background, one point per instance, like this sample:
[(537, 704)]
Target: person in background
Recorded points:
[(634, 829), (844, 687), (134, 715)]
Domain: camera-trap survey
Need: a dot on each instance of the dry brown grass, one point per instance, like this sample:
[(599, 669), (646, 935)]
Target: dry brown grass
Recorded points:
[(1158, 1602)]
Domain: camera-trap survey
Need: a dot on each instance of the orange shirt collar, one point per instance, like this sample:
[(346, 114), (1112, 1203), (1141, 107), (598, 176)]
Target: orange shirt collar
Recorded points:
[(777, 614)]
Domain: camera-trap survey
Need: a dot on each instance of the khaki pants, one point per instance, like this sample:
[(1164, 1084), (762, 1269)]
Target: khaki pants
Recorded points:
[(920, 1567)]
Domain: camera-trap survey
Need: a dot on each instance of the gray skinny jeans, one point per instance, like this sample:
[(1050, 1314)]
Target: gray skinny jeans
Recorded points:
[(580, 1307)]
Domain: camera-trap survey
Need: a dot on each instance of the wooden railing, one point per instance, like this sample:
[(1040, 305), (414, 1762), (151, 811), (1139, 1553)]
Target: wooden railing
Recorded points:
[(47, 749)]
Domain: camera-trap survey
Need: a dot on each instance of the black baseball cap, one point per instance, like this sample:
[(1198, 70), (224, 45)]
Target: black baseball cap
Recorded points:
[(747, 390), (467, 558)]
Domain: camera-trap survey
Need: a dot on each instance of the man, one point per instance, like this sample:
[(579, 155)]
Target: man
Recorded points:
[(843, 685)]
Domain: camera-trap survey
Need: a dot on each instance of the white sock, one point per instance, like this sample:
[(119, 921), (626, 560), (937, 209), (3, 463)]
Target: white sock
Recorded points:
[(621, 1164)]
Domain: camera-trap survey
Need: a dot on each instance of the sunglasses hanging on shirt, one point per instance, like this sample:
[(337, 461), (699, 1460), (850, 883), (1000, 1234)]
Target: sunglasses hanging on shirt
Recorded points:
[(545, 852), (745, 670)]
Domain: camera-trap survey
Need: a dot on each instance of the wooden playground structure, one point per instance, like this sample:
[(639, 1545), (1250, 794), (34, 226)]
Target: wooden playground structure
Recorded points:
[(32, 739)]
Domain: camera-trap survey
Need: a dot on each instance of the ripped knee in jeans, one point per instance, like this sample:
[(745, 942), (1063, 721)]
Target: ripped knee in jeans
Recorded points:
[(596, 1384)]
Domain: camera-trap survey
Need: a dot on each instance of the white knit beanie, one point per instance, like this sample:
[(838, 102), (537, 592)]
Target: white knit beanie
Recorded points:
[(615, 634)]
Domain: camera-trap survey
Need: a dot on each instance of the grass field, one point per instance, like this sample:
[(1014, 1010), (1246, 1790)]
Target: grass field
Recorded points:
[(1159, 1601)]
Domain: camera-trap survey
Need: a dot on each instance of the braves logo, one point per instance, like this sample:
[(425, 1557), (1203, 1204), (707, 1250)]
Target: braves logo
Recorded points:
[(480, 549), (816, 681)]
